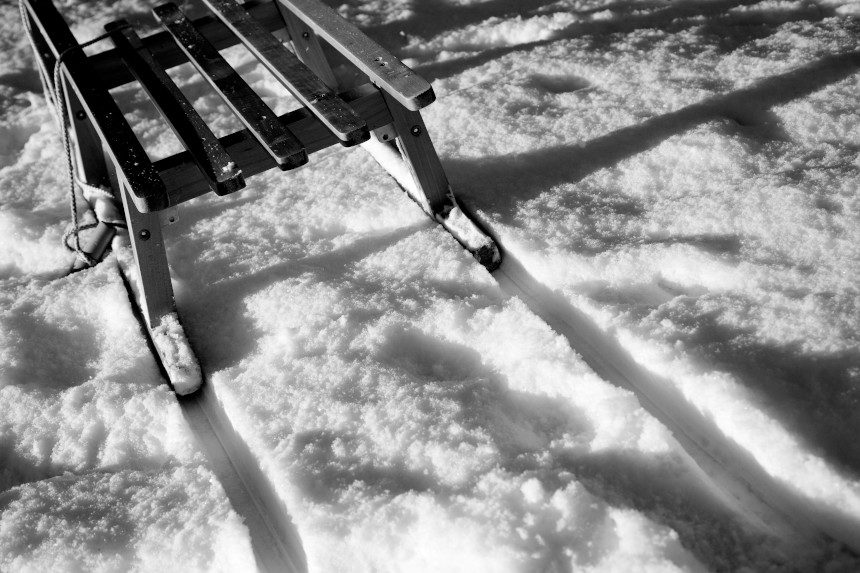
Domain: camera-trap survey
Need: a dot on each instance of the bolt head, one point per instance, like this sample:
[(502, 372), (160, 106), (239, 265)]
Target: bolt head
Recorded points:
[(144, 234), (416, 131), (80, 115), (306, 35)]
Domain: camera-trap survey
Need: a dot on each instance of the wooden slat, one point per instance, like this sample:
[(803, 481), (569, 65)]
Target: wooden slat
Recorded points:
[(109, 67), (124, 149), (292, 73), (307, 47), (219, 170), (260, 120), (184, 182), (153, 288), (383, 69), (420, 155)]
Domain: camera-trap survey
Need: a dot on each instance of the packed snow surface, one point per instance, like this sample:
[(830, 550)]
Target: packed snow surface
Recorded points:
[(663, 375)]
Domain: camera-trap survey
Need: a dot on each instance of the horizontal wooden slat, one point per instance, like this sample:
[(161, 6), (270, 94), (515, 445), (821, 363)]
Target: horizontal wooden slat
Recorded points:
[(113, 73), (292, 73), (120, 142), (260, 120), (211, 158), (184, 182), (383, 69)]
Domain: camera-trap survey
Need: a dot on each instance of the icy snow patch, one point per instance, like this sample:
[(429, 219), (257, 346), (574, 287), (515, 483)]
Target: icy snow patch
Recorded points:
[(176, 354)]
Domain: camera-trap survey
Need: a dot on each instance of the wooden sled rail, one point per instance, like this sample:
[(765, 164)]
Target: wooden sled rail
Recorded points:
[(182, 179), (382, 68), (106, 151), (117, 137)]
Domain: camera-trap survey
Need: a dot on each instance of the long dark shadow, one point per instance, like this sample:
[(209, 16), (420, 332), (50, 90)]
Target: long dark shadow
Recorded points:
[(433, 17), (733, 470), (213, 320), (534, 172), (674, 17)]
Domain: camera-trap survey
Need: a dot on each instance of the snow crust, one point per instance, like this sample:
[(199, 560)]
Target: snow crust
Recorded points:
[(168, 519), (98, 469), (176, 354), (684, 175)]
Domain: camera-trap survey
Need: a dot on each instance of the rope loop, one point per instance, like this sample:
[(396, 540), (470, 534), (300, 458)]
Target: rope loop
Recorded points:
[(58, 97)]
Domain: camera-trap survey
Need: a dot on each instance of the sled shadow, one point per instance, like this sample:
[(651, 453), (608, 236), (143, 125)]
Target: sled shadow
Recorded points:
[(217, 342), (812, 393), (50, 357), (15, 469), (433, 17), (674, 17), (523, 427), (531, 173)]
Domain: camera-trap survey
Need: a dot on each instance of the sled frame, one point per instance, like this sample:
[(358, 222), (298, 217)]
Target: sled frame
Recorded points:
[(287, 37)]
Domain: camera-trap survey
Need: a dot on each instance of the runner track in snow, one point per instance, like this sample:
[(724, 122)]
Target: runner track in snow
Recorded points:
[(751, 491)]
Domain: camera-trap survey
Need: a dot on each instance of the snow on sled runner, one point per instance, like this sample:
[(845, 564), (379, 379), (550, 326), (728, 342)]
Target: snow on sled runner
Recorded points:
[(383, 114)]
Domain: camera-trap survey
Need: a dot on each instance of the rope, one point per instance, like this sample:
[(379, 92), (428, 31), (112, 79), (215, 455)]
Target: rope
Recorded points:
[(59, 100)]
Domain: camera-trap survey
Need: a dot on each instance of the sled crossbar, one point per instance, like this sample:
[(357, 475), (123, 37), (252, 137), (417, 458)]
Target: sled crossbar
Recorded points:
[(382, 68), (179, 174), (207, 163), (382, 113)]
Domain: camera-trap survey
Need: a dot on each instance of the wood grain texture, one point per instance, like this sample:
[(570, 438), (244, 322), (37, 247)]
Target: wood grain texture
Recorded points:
[(420, 156), (109, 67), (258, 118), (384, 70), (184, 182), (124, 149), (211, 158), (86, 145), (292, 73), (307, 47), (154, 292)]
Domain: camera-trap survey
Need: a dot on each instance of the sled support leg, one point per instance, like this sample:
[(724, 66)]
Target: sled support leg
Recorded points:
[(154, 290), (154, 293), (420, 157), (429, 185)]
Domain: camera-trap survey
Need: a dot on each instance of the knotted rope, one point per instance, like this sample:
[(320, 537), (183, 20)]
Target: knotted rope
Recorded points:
[(58, 98)]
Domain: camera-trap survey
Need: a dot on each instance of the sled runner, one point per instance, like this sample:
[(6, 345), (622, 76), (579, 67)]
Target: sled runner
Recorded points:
[(383, 114)]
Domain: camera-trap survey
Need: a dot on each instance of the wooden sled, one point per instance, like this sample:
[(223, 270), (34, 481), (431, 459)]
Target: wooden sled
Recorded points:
[(383, 114)]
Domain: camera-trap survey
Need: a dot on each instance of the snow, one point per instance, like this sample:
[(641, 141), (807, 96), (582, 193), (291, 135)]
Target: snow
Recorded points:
[(98, 469), (176, 355), (661, 376), (173, 518)]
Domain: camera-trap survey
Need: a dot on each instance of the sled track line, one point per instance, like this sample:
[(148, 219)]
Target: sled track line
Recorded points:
[(731, 470), (274, 539)]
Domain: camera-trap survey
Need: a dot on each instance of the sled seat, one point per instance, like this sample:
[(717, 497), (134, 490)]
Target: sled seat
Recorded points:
[(268, 141), (380, 110)]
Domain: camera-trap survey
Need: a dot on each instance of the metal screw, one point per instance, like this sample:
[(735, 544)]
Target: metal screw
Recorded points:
[(306, 35), (144, 234), (80, 114), (416, 131)]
